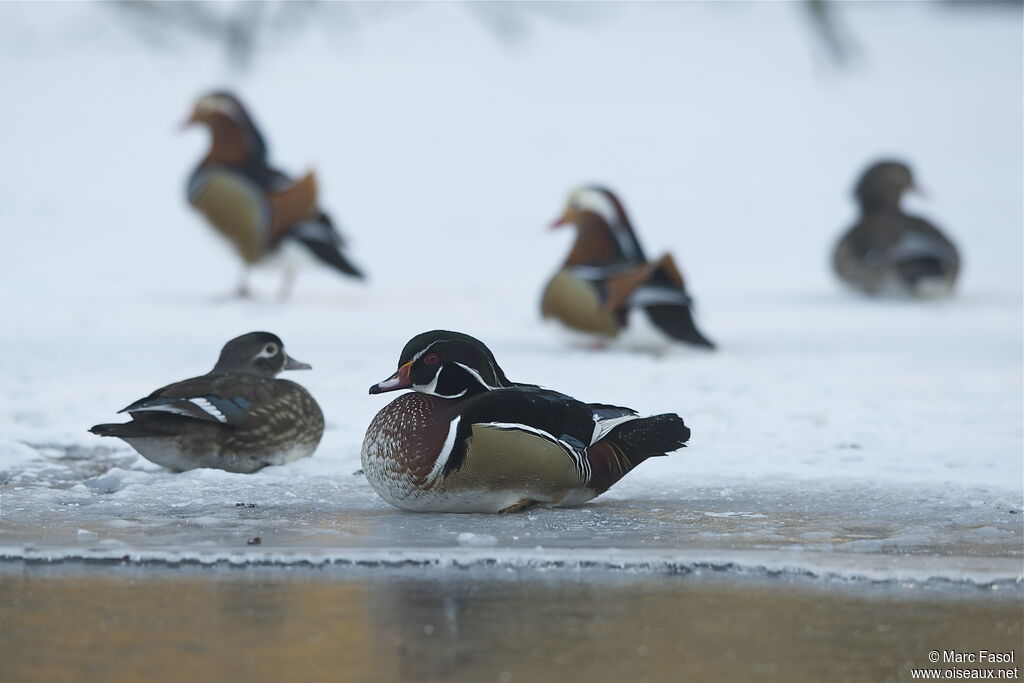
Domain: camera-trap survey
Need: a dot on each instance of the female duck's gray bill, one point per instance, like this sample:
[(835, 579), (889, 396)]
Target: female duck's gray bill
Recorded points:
[(399, 380), (292, 364)]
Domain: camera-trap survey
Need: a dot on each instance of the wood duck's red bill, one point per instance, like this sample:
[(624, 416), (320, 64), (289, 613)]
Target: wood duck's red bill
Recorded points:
[(399, 380)]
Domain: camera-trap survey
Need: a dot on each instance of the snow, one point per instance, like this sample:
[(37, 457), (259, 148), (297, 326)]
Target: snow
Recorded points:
[(831, 434)]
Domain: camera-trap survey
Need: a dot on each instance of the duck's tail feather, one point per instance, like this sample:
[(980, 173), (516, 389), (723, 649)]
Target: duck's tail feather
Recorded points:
[(323, 240), (629, 444), (650, 436), (677, 322), (121, 430)]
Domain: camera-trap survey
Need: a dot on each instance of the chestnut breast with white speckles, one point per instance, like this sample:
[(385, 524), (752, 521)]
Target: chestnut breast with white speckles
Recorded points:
[(403, 442)]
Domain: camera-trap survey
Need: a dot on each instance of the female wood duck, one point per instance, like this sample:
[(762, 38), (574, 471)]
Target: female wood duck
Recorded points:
[(467, 439), (606, 278), (259, 209), (888, 252), (237, 417)]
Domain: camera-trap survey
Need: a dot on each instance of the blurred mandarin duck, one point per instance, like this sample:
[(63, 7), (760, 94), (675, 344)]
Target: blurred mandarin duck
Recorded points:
[(259, 209), (607, 285), (467, 439), (889, 252), (237, 417)]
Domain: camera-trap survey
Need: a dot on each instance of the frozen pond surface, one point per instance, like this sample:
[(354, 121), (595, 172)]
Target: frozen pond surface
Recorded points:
[(875, 532)]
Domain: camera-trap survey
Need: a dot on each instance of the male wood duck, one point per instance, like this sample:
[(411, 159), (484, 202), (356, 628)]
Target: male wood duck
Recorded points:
[(259, 209), (889, 252), (467, 439), (607, 285), (237, 417)]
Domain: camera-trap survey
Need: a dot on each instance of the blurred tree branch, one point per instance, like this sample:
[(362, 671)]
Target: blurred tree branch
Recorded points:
[(243, 28), (238, 26)]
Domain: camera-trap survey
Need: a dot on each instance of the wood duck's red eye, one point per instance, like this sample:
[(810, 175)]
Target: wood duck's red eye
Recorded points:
[(431, 359)]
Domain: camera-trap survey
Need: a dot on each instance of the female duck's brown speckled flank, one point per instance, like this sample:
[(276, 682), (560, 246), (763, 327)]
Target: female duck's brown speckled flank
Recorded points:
[(237, 417), (259, 209), (607, 286), (467, 439), (889, 252)]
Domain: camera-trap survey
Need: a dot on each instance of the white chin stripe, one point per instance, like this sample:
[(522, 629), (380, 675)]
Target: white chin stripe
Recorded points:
[(432, 387)]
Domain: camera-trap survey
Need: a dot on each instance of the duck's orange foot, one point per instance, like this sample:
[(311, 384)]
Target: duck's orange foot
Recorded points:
[(518, 507)]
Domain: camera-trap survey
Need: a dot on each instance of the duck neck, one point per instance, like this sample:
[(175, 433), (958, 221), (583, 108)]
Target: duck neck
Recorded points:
[(229, 144), (887, 201), (595, 244)]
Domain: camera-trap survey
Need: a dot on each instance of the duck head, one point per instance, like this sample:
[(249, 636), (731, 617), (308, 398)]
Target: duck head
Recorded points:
[(882, 185), (604, 234), (257, 353), (445, 364), (235, 138)]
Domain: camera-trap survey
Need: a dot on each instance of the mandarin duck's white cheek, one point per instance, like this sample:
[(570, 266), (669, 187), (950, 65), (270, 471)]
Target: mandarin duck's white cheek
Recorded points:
[(607, 290), (889, 253), (238, 417), (495, 445), (268, 217)]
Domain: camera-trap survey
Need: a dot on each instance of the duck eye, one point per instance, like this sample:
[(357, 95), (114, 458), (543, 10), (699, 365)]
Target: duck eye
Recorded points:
[(431, 359), (270, 349)]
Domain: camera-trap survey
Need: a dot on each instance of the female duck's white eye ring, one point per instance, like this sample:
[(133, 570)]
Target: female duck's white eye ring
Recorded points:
[(270, 349)]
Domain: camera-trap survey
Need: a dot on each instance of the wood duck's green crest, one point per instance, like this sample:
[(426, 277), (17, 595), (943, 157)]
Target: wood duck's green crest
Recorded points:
[(257, 353), (882, 186), (445, 364)]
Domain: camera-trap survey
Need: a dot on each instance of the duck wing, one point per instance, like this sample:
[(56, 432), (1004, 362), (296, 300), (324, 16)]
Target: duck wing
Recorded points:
[(229, 400)]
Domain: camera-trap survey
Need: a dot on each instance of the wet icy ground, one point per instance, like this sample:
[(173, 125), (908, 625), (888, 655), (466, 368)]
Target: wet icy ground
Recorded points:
[(878, 533), (831, 435)]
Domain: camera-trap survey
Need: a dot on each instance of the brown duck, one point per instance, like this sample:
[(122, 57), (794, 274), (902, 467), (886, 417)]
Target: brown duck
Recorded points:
[(607, 285), (259, 209), (238, 417)]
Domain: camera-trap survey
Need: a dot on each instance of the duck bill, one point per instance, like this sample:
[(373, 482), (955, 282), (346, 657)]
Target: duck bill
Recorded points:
[(191, 120), (399, 380), (567, 218), (292, 364)]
